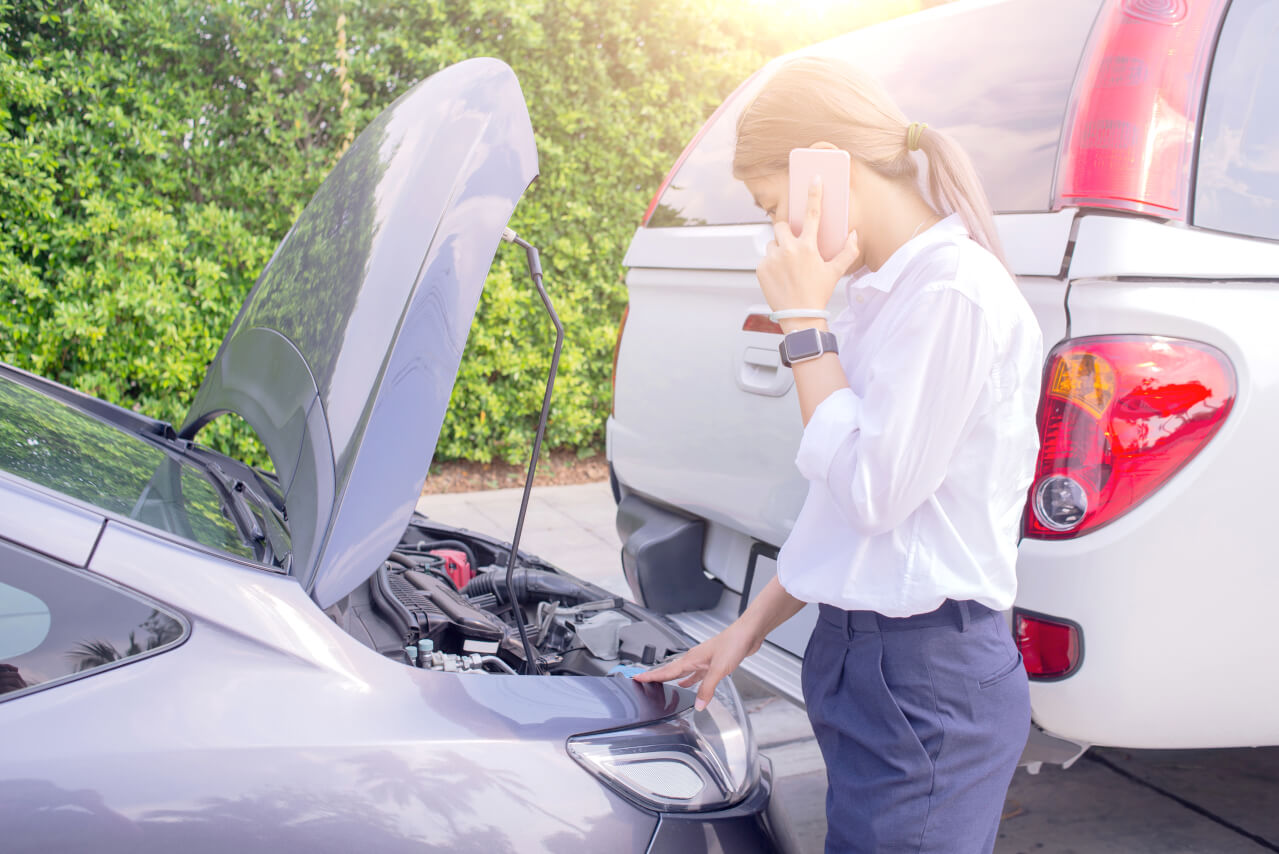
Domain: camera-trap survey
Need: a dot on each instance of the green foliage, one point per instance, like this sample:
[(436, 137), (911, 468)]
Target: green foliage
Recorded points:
[(153, 152)]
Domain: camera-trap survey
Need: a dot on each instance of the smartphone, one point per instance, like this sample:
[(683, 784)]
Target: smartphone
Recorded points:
[(832, 165)]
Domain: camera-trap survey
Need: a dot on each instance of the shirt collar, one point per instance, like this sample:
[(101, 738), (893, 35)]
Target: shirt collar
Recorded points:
[(947, 230)]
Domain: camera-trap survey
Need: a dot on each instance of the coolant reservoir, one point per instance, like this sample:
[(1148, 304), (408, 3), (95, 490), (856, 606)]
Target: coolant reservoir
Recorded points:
[(602, 633)]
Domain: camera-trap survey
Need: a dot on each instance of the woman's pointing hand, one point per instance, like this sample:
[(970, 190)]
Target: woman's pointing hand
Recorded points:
[(793, 273), (708, 662)]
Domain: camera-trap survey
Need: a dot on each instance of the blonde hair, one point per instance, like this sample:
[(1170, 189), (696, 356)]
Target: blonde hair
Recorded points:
[(815, 98)]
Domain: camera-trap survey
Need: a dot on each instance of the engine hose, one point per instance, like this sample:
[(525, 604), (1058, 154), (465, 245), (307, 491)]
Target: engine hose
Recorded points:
[(432, 545), (407, 562), (499, 664), (400, 559), (537, 584)]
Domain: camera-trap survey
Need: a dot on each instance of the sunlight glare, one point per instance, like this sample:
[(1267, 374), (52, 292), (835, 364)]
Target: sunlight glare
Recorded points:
[(849, 14)]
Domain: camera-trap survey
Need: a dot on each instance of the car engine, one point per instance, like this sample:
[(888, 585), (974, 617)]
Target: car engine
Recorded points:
[(440, 602)]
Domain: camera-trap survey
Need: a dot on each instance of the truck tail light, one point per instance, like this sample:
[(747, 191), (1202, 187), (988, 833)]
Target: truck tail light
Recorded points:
[(761, 323), (1119, 416), (617, 348), (1132, 121), (1051, 648)]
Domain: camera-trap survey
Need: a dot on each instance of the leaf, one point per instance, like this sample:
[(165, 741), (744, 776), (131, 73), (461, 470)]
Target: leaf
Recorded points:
[(153, 153)]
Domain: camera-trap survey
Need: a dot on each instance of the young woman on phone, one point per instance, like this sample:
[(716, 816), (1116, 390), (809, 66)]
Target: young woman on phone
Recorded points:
[(919, 444)]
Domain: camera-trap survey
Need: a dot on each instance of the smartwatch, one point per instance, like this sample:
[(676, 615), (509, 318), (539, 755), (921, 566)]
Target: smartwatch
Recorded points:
[(805, 344)]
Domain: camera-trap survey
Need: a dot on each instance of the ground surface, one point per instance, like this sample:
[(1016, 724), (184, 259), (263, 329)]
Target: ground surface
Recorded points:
[(558, 468), (1110, 802)]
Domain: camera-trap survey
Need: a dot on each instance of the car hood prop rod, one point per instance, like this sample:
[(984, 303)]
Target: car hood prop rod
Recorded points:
[(535, 272)]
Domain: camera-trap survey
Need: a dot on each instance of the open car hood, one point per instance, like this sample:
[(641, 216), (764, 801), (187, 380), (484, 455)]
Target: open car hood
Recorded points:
[(344, 355)]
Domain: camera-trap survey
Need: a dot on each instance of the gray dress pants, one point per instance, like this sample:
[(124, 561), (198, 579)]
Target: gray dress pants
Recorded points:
[(921, 721)]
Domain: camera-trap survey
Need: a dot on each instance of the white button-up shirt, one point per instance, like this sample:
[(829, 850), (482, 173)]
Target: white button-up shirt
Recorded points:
[(918, 471)]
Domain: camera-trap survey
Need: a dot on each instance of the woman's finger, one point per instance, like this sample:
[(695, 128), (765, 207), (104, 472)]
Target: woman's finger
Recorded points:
[(709, 681), (782, 232), (668, 671), (691, 681)]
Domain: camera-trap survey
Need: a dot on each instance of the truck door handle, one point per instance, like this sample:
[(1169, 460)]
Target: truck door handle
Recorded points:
[(759, 371), (762, 358)]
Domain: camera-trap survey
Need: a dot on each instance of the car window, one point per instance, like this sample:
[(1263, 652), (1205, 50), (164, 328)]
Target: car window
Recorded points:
[(179, 498), (1237, 188), (996, 77), (704, 191), (63, 449), (58, 623)]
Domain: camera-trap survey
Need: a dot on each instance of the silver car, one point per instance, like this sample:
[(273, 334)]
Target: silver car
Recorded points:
[(196, 655)]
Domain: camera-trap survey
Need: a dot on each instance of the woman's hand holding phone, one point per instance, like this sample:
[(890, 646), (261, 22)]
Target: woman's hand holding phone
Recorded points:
[(793, 273)]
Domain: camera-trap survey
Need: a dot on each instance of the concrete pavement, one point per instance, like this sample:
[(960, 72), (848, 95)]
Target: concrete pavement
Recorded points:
[(1110, 802), (570, 526)]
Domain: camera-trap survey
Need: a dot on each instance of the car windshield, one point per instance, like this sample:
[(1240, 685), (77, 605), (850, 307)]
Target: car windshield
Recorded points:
[(61, 448)]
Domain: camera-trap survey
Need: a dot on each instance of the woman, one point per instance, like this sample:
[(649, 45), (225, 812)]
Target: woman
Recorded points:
[(919, 444)]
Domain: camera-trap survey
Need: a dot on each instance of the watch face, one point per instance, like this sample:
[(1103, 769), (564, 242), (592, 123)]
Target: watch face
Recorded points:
[(803, 344)]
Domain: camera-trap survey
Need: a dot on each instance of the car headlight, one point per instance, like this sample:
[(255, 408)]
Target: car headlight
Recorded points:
[(693, 761)]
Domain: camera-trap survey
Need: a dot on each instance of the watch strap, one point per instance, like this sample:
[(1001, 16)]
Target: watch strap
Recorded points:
[(803, 345)]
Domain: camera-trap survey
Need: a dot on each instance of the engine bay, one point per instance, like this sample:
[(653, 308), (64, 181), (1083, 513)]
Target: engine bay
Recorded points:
[(439, 602)]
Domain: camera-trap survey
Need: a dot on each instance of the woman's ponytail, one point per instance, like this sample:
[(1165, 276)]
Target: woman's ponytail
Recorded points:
[(953, 187)]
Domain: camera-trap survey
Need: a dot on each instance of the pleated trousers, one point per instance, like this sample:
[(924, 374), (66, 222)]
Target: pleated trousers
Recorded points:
[(921, 721)]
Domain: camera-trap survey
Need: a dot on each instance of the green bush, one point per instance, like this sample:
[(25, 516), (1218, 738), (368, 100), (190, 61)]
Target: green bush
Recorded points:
[(153, 152)]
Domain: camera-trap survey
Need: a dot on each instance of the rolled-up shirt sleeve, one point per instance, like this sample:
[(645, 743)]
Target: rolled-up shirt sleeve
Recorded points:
[(883, 454), (834, 420)]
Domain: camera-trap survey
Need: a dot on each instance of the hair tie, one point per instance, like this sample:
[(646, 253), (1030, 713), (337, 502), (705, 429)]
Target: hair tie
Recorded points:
[(913, 133)]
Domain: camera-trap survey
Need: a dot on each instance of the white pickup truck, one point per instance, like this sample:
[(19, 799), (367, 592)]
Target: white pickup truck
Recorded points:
[(1131, 151)]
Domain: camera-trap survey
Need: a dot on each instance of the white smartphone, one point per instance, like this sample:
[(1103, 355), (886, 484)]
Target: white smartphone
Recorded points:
[(832, 165)]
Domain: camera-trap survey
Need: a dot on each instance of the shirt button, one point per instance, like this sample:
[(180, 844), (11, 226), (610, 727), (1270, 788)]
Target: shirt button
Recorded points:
[(861, 298)]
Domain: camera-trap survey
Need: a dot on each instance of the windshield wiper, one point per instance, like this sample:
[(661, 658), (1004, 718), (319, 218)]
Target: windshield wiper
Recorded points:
[(272, 493), (271, 541), (240, 511), (269, 537)]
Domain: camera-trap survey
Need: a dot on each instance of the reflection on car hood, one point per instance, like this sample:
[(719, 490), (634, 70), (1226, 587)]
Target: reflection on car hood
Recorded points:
[(343, 357)]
